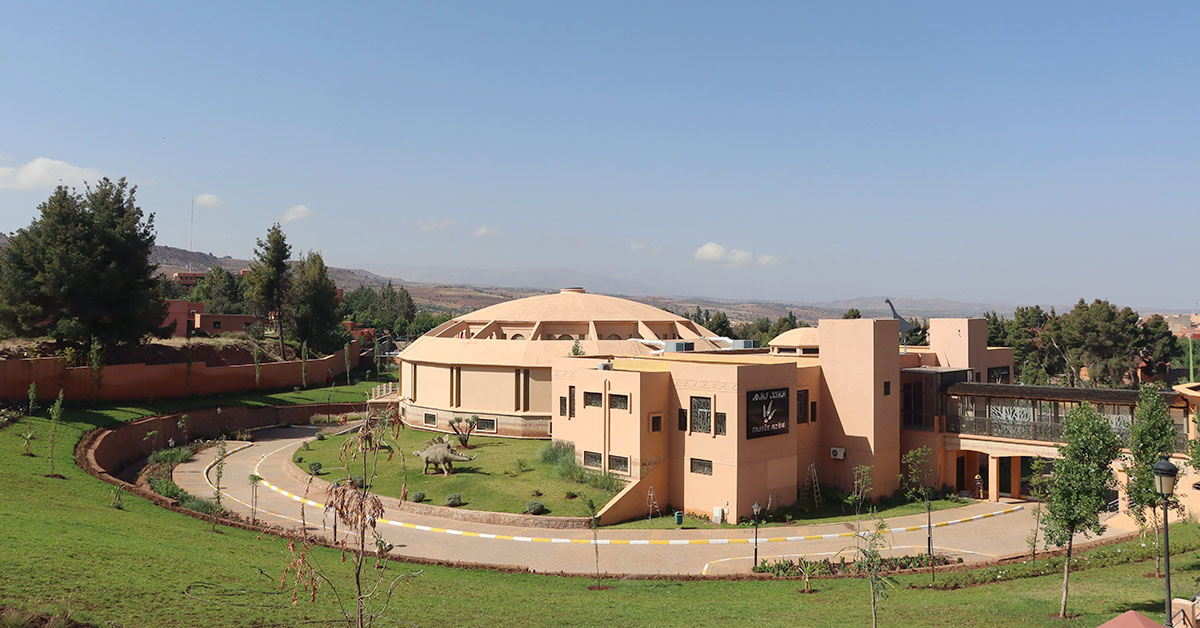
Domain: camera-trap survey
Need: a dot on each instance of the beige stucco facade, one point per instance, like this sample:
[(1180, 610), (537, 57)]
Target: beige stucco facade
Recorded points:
[(705, 429), (841, 401), (494, 363)]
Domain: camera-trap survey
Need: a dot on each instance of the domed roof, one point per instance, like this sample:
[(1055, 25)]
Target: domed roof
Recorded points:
[(570, 305), (531, 331)]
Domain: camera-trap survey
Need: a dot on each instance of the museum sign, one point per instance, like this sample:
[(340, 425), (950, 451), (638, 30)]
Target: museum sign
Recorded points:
[(767, 412)]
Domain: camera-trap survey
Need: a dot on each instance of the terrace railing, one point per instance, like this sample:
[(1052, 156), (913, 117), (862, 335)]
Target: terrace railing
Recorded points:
[(1032, 430)]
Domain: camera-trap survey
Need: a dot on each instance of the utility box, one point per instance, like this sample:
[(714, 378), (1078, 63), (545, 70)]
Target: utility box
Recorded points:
[(718, 515)]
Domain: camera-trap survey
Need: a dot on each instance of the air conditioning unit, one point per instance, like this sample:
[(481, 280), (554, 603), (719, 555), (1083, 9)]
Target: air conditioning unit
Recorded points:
[(604, 366), (837, 453)]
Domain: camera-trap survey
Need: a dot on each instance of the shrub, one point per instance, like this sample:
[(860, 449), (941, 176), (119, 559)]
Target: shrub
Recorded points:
[(202, 506), (8, 417), (314, 468), (535, 508), (167, 488), (537, 492), (558, 450), (173, 456), (299, 459), (454, 499), (320, 436), (570, 494), (417, 497)]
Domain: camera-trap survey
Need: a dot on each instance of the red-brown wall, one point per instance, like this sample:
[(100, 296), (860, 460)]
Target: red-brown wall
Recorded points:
[(140, 381)]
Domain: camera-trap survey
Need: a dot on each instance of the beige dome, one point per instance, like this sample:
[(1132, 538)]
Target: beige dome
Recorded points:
[(533, 330), (571, 305)]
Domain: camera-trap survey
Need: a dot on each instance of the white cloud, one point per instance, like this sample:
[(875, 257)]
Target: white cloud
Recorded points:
[(637, 246), (44, 172), (434, 225), (716, 254), (297, 212), (766, 259), (485, 231), (208, 200)]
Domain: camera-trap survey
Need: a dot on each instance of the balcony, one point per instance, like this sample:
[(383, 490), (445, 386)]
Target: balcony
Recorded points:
[(1033, 430)]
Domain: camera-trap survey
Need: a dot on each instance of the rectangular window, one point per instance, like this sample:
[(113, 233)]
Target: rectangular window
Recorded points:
[(719, 424), (810, 351), (656, 423), (216, 324), (593, 400), (999, 375), (812, 412), (703, 467), (701, 414), (525, 392), (619, 464), (682, 420), (801, 406), (562, 406), (485, 425), (887, 388), (592, 459), (618, 402), (430, 418), (571, 402)]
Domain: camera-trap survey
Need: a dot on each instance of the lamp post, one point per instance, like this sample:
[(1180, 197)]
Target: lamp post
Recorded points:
[(757, 509), (1164, 482)]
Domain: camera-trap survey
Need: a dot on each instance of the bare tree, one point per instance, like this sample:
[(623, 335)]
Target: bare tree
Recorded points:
[(351, 502)]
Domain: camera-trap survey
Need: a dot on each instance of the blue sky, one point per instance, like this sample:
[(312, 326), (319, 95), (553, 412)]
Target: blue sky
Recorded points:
[(995, 152)]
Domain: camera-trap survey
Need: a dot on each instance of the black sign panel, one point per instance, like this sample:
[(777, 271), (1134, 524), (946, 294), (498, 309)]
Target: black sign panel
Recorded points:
[(767, 412)]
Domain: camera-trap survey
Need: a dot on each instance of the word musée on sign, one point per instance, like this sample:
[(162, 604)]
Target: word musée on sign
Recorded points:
[(767, 412)]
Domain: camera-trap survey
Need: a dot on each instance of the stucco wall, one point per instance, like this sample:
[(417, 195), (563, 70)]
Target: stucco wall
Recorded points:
[(113, 449), (140, 381)]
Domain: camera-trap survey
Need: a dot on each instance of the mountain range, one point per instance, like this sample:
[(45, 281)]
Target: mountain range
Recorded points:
[(458, 289)]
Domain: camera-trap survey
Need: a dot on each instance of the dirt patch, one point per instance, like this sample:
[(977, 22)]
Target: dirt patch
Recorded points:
[(599, 587)]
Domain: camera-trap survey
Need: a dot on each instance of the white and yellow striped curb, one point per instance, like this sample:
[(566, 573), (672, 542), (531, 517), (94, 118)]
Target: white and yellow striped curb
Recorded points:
[(535, 539)]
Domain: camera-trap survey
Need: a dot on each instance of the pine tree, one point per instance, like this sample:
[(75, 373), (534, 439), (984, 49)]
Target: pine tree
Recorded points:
[(269, 280), (82, 270), (311, 305)]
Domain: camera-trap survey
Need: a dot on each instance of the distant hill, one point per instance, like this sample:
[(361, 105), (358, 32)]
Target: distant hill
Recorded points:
[(459, 290), (923, 308)]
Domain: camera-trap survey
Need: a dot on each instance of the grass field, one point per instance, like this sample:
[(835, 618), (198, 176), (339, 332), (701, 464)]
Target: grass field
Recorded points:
[(61, 546), (493, 481)]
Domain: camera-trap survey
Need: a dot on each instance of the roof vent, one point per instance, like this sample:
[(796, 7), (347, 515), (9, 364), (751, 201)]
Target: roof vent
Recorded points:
[(573, 289)]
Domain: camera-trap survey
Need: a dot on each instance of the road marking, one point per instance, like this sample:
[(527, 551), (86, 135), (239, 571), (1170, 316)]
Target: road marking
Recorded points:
[(526, 539)]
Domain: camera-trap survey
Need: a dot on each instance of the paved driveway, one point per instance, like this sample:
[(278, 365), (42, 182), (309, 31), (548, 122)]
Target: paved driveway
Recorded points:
[(621, 551)]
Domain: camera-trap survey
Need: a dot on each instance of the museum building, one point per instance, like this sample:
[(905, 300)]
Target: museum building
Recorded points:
[(705, 425)]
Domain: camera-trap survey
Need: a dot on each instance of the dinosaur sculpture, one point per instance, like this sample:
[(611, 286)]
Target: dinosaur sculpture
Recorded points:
[(441, 455)]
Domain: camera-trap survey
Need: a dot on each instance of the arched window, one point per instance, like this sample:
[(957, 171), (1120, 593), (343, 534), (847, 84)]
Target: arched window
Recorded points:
[(518, 337), (565, 337), (613, 337)]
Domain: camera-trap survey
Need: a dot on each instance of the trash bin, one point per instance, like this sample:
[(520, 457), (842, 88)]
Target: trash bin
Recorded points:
[(678, 517)]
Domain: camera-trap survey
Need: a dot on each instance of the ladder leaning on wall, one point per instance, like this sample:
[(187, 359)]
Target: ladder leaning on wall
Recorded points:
[(813, 485)]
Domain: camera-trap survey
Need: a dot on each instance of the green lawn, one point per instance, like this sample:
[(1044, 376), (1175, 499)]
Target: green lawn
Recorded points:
[(493, 481), (830, 513), (61, 546)]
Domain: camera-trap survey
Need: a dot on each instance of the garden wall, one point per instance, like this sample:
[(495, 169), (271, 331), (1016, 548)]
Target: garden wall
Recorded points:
[(162, 381), (111, 450)]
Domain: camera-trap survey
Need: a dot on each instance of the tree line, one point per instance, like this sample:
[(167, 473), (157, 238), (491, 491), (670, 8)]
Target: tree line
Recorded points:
[(1094, 343), (80, 274)]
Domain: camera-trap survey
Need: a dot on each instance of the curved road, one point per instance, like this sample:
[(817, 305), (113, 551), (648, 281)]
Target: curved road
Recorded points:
[(671, 552)]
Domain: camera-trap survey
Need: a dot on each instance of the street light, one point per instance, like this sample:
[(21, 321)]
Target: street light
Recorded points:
[(1164, 481), (757, 509)]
